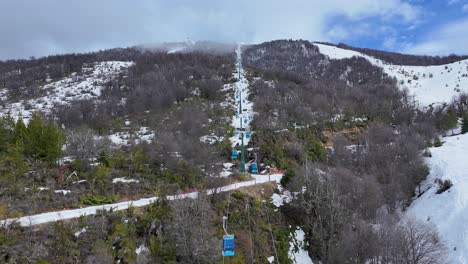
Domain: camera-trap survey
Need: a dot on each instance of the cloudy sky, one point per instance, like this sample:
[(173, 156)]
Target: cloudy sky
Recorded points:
[(43, 27)]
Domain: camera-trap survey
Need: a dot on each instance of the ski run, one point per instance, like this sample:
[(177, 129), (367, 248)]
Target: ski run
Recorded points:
[(447, 211)]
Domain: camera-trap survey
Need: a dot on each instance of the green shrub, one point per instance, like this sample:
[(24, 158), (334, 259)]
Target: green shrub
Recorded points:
[(239, 195), (464, 128), (42, 261), (91, 199), (437, 142), (282, 244), (287, 177), (225, 147)]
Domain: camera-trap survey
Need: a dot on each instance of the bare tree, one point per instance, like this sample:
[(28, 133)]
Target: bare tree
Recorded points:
[(192, 229), (410, 242), (421, 243), (83, 144)]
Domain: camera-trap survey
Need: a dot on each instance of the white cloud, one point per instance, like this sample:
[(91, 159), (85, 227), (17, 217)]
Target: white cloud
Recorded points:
[(450, 38), (390, 43), (70, 26), (452, 2), (465, 7)]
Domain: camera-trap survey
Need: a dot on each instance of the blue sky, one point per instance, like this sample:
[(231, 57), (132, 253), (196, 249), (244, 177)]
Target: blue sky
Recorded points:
[(38, 28), (425, 33)]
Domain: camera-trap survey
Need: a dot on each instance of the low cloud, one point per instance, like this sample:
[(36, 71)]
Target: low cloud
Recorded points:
[(55, 26)]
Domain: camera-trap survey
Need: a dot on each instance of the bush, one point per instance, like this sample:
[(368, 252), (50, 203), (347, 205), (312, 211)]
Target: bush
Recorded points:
[(443, 185), (90, 199), (239, 195), (464, 128), (287, 177), (437, 142)]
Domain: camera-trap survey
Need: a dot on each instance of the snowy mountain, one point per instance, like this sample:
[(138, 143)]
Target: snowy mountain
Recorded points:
[(190, 46), (428, 84), (339, 152)]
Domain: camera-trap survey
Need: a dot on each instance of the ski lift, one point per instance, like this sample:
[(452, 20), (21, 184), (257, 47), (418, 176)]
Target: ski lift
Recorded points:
[(247, 135), (228, 245), (234, 154), (245, 120), (228, 241), (253, 168)]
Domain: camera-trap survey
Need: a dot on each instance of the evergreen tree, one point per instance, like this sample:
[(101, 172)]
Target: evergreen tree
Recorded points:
[(20, 132), (452, 121), (43, 140), (12, 165), (465, 124), (7, 124)]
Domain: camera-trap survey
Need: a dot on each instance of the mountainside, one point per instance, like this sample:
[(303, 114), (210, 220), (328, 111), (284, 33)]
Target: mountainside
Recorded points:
[(429, 84), (312, 152)]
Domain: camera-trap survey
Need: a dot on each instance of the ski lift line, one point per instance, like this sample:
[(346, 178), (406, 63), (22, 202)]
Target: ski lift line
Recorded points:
[(252, 254), (228, 240), (271, 234)]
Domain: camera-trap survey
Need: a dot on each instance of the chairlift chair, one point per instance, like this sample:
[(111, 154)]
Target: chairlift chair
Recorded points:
[(228, 245), (234, 154), (253, 167)]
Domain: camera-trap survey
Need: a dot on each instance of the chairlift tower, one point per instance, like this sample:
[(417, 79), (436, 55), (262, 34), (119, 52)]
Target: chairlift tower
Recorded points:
[(242, 160), (240, 103)]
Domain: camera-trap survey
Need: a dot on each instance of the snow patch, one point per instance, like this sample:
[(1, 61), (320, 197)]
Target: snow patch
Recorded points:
[(448, 211), (142, 248), (124, 180), (211, 139), (296, 248), (64, 192), (144, 134), (271, 259), (78, 233), (73, 88)]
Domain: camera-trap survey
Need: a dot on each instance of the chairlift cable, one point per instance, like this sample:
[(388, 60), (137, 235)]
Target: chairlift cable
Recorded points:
[(271, 234)]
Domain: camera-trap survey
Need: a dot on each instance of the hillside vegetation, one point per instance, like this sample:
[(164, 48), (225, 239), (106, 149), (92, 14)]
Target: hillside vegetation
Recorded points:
[(347, 137)]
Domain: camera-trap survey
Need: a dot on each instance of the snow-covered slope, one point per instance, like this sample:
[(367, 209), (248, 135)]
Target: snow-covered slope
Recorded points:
[(241, 121), (72, 88), (429, 84), (448, 211)]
